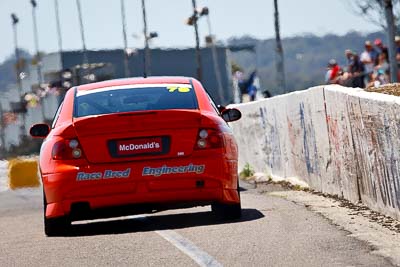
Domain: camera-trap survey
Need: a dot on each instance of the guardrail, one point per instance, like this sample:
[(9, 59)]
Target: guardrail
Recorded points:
[(339, 140)]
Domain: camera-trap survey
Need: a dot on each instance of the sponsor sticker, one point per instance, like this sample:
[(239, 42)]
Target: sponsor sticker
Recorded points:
[(191, 168), (107, 174), (180, 89), (139, 146)]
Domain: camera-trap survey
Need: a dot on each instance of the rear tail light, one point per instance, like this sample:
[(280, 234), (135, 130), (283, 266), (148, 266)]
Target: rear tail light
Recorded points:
[(209, 138), (67, 149)]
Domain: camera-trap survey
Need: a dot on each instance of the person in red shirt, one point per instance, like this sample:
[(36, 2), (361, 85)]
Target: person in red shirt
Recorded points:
[(333, 73), (380, 47)]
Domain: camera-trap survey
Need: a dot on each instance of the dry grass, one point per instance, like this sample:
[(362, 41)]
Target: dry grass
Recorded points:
[(390, 89)]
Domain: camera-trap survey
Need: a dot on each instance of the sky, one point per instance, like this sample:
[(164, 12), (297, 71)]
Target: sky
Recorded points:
[(229, 18)]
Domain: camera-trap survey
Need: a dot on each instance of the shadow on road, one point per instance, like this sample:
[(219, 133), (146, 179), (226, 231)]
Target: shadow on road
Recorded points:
[(242, 189), (158, 222)]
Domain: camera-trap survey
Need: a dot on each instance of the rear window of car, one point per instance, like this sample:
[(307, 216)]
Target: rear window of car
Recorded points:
[(134, 98)]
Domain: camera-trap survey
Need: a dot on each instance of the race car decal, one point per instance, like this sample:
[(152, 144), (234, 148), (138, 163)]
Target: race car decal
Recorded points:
[(83, 176), (108, 174), (183, 89), (139, 145), (128, 147), (191, 168)]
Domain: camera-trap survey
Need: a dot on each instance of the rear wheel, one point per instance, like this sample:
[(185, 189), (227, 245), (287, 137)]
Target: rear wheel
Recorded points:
[(228, 211), (54, 226)]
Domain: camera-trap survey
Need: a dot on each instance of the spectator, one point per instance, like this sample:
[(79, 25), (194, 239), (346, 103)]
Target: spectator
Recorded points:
[(380, 48), (381, 71), (333, 73), (355, 70), (247, 86), (267, 94), (383, 62), (368, 58), (349, 56), (397, 41), (253, 84), (238, 78)]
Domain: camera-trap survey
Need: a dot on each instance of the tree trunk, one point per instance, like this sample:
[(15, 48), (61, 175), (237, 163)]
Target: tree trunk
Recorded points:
[(388, 6)]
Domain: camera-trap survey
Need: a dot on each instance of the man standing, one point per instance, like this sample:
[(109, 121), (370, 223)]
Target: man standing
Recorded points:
[(368, 57), (355, 70), (380, 47), (397, 41)]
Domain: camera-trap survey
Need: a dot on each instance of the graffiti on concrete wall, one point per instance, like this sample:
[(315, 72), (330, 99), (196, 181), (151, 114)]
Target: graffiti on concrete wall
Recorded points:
[(380, 183), (341, 141), (271, 145), (309, 142)]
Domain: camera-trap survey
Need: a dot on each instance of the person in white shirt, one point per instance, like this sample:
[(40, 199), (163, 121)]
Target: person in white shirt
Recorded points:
[(368, 57)]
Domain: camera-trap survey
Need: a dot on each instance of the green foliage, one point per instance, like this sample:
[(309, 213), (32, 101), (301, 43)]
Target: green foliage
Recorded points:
[(247, 171)]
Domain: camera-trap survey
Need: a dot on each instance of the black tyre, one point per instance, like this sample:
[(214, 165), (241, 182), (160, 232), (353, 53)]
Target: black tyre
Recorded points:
[(228, 211), (54, 226)]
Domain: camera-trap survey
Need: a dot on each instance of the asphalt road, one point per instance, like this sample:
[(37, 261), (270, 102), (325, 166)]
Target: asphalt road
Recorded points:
[(272, 232)]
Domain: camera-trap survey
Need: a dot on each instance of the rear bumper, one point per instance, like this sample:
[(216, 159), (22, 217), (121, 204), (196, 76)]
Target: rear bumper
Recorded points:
[(156, 185)]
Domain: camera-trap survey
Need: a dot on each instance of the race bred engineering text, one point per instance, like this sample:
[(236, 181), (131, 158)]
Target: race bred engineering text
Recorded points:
[(107, 174), (191, 168)]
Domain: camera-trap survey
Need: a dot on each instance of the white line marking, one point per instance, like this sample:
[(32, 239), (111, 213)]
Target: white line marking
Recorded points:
[(201, 257), (137, 217)]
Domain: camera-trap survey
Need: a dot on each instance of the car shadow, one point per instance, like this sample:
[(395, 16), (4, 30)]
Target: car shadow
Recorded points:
[(242, 189), (157, 222)]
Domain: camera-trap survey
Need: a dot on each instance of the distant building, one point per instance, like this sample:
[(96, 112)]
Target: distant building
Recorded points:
[(109, 64)]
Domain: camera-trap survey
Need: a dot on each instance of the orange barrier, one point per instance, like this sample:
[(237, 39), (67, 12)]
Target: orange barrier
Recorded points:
[(23, 173)]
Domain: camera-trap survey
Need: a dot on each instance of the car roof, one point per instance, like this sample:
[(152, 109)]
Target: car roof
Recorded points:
[(136, 80)]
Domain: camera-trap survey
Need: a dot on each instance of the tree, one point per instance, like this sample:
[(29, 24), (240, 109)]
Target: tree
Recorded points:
[(381, 12), (372, 11)]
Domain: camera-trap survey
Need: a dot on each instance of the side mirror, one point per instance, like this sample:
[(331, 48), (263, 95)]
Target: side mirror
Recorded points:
[(221, 108), (40, 130), (231, 114)]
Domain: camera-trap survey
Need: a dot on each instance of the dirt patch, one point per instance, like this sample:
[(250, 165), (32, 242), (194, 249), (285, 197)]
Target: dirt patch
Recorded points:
[(272, 186), (389, 89), (379, 231), (373, 216), (360, 209)]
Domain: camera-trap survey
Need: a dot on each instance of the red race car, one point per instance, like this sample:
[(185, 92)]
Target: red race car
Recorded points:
[(138, 145)]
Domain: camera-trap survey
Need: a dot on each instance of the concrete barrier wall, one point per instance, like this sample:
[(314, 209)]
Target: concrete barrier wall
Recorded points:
[(339, 140), (376, 135)]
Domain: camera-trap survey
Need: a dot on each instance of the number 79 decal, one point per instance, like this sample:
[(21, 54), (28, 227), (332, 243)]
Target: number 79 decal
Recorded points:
[(179, 89)]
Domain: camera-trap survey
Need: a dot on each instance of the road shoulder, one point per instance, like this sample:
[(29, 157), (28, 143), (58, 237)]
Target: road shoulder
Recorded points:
[(360, 225)]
